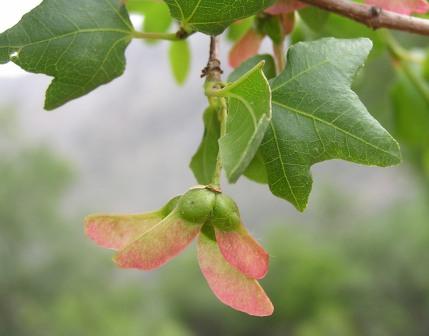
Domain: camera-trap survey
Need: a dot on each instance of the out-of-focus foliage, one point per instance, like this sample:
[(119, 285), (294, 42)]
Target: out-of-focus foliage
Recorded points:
[(346, 276), (51, 283)]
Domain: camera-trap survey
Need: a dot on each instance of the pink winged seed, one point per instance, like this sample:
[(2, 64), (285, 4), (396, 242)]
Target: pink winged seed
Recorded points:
[(284, 6), (229, 285), (243, 252), (158, 245), (245, 48), (117, 231), (406, 7)]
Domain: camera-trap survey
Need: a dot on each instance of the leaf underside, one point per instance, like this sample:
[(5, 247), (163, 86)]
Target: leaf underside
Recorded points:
[(213, 16), (317, 117), (249, 113), (81, 43)]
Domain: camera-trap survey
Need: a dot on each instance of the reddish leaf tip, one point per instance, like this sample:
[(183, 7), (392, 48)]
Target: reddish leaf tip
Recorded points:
[(285, 6), (116, 231), (228, 284), (243, 252), (245, 48), (158, 245)]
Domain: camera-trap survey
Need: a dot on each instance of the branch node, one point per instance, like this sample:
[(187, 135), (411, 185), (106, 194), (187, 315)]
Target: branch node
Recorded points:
[(213, 70), (375, 11), (182, 34)]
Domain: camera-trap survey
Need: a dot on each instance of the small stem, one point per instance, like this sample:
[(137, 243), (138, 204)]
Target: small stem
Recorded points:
[(395, 49), (159, 36), (213, 72), (279, 56), (223, 111), (402, 57), (421, 86)]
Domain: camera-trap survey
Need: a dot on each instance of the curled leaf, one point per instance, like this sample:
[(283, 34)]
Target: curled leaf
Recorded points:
[(245, 48), (117, 231), (406, 7), (158, 245), (243, 252), (228, 284)]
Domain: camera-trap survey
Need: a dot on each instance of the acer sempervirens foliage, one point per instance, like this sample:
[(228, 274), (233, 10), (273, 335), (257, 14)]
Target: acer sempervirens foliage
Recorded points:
[(270, 121)]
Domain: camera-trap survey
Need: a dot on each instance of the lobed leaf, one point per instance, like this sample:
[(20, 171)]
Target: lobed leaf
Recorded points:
[(229, 285), (81, 43), (213, 16), (317, 117)]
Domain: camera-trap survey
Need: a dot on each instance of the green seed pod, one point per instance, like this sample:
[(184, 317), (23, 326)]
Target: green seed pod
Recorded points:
[(169, 207), (196, 205), (225, 215)]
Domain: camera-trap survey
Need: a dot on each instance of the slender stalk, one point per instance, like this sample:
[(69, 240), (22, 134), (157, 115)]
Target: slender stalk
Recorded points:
[(223, 111), (213, 73), (402, 57), (278, 50), (157, 36)]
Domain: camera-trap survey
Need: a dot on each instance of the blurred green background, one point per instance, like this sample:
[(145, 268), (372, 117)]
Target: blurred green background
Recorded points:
[(344, 270)]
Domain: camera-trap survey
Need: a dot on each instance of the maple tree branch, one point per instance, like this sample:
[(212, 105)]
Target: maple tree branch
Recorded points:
[(373, 17), (213, 70)]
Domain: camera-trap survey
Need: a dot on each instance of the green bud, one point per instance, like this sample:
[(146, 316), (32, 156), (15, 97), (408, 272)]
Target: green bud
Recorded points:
[(196, 205), (169, 207), (225, 215)]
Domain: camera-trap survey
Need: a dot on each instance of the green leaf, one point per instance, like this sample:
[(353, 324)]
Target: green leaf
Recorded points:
[(317, 117), (81, 43), (314, 17), (157, 18), (256, 170), (213, 16), (203, 163), (271, 26), (269, 67), (237, 30), (426, 66), (138, 6), (180, 60), (249, 112)]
